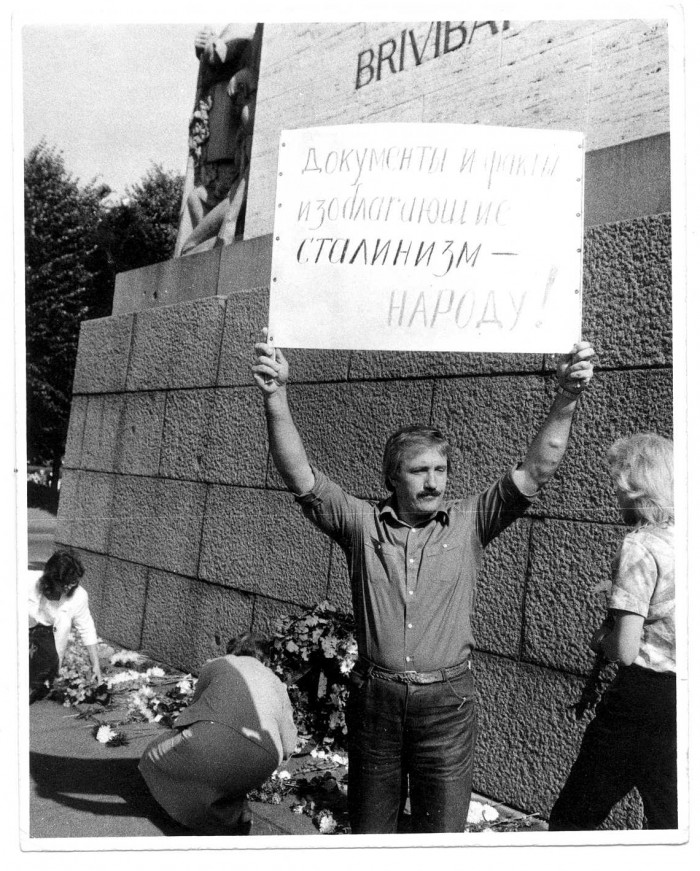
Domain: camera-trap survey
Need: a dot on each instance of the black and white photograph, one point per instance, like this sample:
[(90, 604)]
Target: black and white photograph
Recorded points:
[(352, 416)]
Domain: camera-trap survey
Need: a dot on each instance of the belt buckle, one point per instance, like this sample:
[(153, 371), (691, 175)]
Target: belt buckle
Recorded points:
[(410, 676)]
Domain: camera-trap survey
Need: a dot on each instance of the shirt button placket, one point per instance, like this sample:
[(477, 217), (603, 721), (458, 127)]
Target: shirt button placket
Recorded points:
[(411, 580)]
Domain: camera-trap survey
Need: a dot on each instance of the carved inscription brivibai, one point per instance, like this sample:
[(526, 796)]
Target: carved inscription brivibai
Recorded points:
[(428, 237), (413, 47)]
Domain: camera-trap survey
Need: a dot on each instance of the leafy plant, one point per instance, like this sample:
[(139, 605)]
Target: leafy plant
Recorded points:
[(314, 654)]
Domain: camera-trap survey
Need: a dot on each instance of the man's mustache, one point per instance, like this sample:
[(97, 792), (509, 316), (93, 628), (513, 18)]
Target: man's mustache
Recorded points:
[(432, 493)]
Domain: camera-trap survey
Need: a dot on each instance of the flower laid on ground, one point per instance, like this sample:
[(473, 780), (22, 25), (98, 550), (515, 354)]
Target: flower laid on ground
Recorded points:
[(125, 657), (480, 813), (326, 823), (105, 734), (122, 677)]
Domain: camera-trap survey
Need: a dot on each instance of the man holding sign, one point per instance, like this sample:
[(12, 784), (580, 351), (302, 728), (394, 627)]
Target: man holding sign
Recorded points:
[(413, 561)]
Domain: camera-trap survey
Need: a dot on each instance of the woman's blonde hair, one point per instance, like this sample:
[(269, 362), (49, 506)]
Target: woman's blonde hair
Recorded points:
[(642, 469)]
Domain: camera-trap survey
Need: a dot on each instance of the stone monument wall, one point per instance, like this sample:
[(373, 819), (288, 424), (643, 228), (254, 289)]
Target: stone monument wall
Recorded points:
[(169, 494)]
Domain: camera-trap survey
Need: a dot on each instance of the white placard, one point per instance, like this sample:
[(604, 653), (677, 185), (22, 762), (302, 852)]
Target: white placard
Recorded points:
[(428, 237)]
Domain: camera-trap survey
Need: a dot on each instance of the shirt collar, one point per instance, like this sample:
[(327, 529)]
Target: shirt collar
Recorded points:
[(387, 509)]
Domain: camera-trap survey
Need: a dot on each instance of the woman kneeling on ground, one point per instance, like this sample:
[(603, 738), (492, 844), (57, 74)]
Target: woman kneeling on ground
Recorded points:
[(233, 735), (57, 603)]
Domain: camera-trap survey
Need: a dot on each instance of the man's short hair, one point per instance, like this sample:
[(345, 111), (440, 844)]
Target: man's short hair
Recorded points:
[(407, 439), (62, 571), (642, 469)]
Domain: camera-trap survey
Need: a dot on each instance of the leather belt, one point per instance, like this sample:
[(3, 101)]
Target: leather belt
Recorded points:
[(369, 669)]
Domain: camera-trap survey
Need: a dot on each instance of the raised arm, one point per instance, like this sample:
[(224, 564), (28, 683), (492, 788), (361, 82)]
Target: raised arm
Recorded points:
[(271, 374), (574, 372)]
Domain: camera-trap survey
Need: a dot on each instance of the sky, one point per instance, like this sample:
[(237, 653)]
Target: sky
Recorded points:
[(114, 98)]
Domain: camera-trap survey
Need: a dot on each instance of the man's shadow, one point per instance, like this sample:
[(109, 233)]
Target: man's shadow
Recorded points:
[(59, 779)]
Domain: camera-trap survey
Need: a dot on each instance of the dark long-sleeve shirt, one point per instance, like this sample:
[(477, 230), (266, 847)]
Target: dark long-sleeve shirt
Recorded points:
[(413, 587)]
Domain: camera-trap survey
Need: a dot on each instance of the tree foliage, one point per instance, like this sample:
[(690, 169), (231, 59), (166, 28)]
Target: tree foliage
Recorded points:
[(62, 266), (75, 244), (142, 229)]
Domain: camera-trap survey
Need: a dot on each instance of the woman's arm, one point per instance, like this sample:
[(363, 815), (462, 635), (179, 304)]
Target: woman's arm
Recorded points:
[(94, 661), (621, 642)]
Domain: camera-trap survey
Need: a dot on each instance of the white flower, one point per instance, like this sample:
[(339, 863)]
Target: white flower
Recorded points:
[(105, 734), (284, 775), (156, 671), (490, 813), (326, 824), (122, 677), (339, 760), (476, 812), (124, 657), (346, 666), (185, 685)]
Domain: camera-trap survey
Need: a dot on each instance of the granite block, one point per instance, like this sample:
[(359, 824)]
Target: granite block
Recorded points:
[(177, 346), (187, 622), (157, 523), (103, 355), (258, 541)]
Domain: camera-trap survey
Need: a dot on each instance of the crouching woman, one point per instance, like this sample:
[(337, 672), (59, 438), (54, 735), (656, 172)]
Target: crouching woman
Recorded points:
[(57, 604), (233, 735)]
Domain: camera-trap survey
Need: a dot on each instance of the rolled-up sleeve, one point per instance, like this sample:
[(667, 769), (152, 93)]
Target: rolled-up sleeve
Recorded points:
[(82, 620), (499, 506), (635, 578), (332, 509)]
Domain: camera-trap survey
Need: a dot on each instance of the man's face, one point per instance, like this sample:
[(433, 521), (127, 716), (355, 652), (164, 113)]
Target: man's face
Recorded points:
[(420, 483)]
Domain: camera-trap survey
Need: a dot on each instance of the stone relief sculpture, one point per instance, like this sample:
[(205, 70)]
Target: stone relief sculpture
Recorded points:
[(220, 138)]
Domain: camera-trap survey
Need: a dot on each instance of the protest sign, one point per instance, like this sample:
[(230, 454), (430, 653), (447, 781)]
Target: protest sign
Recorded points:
[(428, 237)]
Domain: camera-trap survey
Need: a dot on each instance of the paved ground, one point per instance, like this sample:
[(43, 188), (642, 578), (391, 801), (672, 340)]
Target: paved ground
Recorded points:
[(79, 788)]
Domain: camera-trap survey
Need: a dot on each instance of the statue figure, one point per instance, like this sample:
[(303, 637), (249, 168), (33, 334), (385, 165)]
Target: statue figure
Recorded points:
[(220, 138)]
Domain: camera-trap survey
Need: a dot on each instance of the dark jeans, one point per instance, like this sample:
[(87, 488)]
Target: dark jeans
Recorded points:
[(631, 742), (43, 661), (425, 731)]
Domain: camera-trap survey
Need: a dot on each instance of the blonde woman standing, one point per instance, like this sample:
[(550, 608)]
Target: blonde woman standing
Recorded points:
[(631, 742)]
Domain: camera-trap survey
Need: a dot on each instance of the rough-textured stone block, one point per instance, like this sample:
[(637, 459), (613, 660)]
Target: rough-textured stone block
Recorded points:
[(140, 433), (188, 622), (103, 355), (67, 505), (617, 404), (182, 279), (94, 580), (246, 315), (627, 293), (629, 83), (419, 364), (100, 436), (157, 523), (489, 423), (85, 510), (527, 740), (344, 427), (258, 541), (498, 605), (76, 426), (216, 436), (628, 181), (123, 603), (266, 612), (177, 346), (562, 610)]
